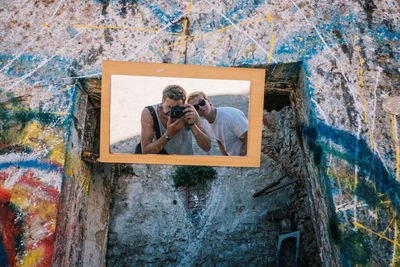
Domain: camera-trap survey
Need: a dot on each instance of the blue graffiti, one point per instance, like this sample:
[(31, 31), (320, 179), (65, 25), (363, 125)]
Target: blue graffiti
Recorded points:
[(27, 63), (36, 164), (161, 14), (236, 13), (358, 153), (164, 16)]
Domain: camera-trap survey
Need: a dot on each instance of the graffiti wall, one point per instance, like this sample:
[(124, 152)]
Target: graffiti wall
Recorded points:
[(350, 65)]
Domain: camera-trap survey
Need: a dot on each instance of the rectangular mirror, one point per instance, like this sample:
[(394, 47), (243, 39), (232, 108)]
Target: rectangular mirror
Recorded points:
[(221, 109)]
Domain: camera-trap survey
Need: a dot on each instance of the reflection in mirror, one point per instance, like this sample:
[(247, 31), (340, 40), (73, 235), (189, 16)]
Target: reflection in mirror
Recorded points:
[(223, 108)]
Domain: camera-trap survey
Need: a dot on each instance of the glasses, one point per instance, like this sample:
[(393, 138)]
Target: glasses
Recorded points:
[(201, 103)]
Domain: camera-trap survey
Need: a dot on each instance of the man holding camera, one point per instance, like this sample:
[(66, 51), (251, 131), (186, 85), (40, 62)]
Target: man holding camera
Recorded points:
[(176, 121), (227, 125)]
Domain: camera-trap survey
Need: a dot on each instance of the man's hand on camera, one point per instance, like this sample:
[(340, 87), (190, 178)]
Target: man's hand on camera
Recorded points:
[(191, 115), (174, 126)]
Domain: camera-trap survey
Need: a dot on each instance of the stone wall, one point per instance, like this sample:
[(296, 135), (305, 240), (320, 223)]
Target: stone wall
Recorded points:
[(151, 223), (350, 66)]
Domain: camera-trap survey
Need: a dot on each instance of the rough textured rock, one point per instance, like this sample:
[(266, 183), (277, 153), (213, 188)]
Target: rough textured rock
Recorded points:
[(150, 222)]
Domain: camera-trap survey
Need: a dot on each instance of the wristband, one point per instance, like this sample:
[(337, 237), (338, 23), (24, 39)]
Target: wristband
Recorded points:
[(190, 125), (168, 138)]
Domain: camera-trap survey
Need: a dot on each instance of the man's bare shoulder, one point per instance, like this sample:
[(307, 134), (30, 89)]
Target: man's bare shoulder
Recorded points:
[(146, 117)]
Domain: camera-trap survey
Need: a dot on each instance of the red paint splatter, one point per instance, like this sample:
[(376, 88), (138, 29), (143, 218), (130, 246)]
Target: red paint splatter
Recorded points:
[(9, 228)]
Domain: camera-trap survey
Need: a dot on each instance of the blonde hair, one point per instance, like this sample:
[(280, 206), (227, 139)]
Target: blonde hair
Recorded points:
[(174, 92), (196, 94)]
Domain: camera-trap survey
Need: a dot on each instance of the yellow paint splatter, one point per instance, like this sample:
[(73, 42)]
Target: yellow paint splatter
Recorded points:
[(358, 52), (202, 35), (190, 7), (45, 25), (387, 227), (396, 257), (183, 34), (33, 258), (272, 46), (384, 237), (73, 165), (119, 28), (182, 41), (362, 94), (299, 38), (41, 138), (65, 88), (316, 84), (251, 21), (269, 18), (396, 144), (356, 178), (362, 78)]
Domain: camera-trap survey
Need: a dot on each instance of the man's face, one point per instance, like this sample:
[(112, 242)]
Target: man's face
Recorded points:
[(168, 103), (202, 105)]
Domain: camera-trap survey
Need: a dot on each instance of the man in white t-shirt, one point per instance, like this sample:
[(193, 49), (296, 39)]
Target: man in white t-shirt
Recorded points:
[(175, 133), (227, 125)]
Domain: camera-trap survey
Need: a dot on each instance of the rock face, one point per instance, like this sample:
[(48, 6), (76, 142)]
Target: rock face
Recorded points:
[(151, 222)]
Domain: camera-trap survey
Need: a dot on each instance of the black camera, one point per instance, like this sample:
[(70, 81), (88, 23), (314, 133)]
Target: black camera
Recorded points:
[(177, 112)]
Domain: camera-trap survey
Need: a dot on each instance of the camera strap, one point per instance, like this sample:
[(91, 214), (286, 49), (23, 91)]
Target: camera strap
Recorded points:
[(155, 120), (138, 149)]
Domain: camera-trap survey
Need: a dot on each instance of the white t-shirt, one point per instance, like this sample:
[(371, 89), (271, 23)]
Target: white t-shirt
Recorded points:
[(229, 124)]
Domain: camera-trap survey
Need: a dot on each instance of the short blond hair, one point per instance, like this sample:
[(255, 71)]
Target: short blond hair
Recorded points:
[(196, 94), (174, 92)]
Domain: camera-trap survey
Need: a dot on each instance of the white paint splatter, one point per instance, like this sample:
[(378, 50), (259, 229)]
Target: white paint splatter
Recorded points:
[(240, 30), (374, 108), (33, 39), (51, 178), (149, 40), (44, 62), (320, 111)]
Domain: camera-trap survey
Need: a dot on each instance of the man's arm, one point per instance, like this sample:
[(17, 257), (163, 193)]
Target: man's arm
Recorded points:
[(200, 134), (147, 135), (222, 148), (243, 149)]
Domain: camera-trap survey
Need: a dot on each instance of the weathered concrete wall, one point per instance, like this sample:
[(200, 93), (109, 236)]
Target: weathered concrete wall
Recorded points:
[(350, 56), (150, 222)]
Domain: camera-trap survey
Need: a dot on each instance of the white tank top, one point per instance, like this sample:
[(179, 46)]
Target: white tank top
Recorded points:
[(181, 144)]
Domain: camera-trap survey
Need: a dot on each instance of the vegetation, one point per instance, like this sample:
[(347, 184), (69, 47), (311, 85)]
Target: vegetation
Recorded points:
[(193, 175)]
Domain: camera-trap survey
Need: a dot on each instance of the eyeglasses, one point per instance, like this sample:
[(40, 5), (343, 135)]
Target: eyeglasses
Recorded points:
[(201, 103)]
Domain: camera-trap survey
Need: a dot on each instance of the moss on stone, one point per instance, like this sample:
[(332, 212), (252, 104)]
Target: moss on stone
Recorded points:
[(193, 175)]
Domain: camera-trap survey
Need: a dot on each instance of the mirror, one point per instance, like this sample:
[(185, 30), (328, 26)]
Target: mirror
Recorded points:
[(131, 94), (235, 94)]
